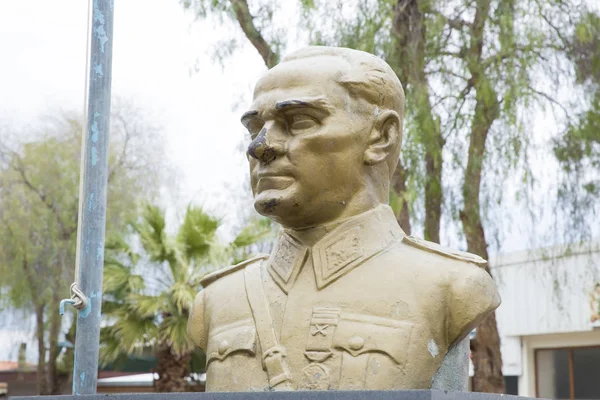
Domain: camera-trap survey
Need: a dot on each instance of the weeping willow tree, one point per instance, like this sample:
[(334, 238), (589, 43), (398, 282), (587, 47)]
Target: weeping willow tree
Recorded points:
[(578, 148), (474, 72), (39, 187)]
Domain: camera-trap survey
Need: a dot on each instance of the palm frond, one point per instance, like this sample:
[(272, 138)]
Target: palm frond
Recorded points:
[(147, 306), (218, 257), (134, 333), (153, 236), (257, 230), (110, 346), (119, 280), (197, 232), (182, 296), (111, 308), (137, 317), (173, 330), (116, 244)]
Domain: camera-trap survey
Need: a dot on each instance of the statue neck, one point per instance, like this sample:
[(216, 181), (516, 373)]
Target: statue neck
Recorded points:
[(311, 235)]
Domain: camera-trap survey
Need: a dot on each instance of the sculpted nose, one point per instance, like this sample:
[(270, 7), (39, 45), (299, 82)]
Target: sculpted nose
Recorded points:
[(261, 148)]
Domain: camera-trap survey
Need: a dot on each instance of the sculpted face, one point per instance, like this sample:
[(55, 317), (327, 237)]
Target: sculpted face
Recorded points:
[(309, 139)]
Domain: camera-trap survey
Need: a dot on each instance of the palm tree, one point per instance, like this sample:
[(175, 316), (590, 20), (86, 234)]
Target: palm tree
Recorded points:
[(148, 292)]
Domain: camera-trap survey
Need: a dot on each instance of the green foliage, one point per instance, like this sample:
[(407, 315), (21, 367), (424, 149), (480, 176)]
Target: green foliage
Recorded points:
[(578, 148), (257, 230), (202, 8), (39, 202), (148, 292), (396, 202), (257, 21), (585, 49), (39, 193), (582, 141), (578, 152), (197, 233)]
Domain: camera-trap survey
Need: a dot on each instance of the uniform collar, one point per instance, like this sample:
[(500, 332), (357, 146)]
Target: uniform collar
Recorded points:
[(341, 250)]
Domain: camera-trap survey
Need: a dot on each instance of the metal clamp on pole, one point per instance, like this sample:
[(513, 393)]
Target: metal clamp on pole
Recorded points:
[(77, 300)]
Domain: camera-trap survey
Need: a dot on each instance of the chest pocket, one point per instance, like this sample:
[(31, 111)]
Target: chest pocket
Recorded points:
[(232, 338), (358, 334)]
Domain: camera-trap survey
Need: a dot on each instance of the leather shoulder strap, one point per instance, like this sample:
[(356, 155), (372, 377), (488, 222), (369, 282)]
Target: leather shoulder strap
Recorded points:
[(274, 355)]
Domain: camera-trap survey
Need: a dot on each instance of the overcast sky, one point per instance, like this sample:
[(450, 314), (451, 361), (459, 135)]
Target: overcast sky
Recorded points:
[(156, 48)]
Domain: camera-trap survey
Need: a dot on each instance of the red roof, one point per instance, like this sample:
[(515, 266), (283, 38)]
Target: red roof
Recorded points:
[(8, 365), (13, 365)]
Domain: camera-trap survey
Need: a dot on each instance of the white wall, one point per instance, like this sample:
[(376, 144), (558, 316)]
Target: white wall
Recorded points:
[(545, 304), (17, 327), (546, 291)]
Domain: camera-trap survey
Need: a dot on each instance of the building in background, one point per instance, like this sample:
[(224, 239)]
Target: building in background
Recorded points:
[(17, 379), (549, 321)]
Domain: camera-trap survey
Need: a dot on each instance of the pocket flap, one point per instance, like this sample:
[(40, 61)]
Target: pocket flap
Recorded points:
[(359, 334), (240, 336)]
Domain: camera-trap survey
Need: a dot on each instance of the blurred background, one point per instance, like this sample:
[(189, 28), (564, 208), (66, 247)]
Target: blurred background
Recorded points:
[(501, 157)]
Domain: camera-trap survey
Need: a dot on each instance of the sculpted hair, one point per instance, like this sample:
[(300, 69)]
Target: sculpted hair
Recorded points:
[(368, 77)]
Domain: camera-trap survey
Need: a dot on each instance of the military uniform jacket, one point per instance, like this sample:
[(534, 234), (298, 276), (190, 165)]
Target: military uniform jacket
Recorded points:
[(365, 307)]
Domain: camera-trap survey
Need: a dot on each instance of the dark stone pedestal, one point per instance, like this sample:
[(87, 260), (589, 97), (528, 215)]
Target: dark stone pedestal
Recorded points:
[(330, 395)]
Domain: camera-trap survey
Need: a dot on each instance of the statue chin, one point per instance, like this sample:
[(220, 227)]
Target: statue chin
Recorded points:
[(272, 203)]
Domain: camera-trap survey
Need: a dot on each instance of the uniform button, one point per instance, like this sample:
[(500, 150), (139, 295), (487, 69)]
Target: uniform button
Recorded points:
[(356, 343), (223, 347)]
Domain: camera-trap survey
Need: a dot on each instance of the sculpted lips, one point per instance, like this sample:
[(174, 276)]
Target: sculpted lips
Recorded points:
[(268, 181)]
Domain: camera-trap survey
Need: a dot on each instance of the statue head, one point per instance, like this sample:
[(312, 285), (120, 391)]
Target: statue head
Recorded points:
[(326, 129)]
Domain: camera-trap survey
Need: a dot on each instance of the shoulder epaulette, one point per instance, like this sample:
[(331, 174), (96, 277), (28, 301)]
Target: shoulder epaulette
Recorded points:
[(213, 276), (444, 251)]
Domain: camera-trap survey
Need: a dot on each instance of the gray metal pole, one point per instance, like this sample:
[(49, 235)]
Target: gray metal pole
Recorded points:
[(87, 290)]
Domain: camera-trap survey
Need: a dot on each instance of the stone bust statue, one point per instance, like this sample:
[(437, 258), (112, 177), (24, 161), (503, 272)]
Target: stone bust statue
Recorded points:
[(345, 300)]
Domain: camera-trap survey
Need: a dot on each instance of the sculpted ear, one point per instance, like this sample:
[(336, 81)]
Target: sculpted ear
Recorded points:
[(384, 137)]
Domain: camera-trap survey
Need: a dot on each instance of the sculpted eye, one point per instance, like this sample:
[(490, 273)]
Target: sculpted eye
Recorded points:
[(301, 122)]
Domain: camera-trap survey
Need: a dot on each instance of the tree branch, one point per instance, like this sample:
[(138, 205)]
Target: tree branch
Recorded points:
[(246, 21), (445, 71), (454, 23), (20, 168), (556, 30), (463, 99), (550, 99), (123, 157)]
